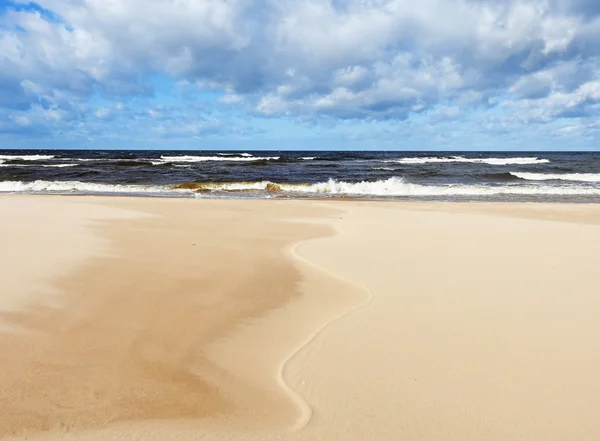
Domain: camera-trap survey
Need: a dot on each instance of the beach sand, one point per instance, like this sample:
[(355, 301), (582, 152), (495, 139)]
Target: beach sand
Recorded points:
[(159, 319)]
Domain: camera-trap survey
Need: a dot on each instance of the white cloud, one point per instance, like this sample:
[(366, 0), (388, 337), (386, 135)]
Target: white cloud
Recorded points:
[(534, 85), (558, 33), (155, 113), (22, 121), (102, 113), (580, 102), (446, 113), (377, 59), (231, 98)]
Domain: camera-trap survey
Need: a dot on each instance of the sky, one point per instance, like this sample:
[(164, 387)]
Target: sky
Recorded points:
[(302, 74)]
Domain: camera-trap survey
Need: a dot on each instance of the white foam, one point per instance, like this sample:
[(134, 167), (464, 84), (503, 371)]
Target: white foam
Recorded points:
[(96, 159), (34, 165), (308, 158), (235, 154), (490, 161), (26, 157), (140, 160), (12, 165), (398, 187), (60, 165), (238, 186), (216, 158), (389, 187), (80, 187), (580, 177)]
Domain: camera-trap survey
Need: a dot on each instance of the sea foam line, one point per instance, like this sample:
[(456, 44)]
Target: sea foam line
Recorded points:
[(216, 158), (578, 177), (26, 157), (384, 188), (398, 187), (234, 154), (2, 164), (489, 161), (81, 187)]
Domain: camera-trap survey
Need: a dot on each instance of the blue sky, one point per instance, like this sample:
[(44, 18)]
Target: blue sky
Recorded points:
[(313, 74)]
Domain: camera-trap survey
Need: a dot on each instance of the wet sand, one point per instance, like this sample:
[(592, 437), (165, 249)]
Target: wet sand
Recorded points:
[(127, 318)]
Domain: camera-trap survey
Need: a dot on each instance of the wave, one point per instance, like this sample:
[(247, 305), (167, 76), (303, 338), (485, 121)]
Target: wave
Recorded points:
[(390, 187), (226, 186), (25, 157), (216, 158), (233, 157), (398, 187), (105, 159), (120, 161), (247, 155), (80, 187), (393, 187), (2, 164), (489, 161), (58, 165), (578, 177)]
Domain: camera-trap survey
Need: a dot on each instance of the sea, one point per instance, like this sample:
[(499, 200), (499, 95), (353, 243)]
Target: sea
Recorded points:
[(436, 176)]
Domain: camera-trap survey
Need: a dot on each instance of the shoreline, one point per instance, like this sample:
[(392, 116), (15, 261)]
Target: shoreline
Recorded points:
[(274, 196), (382, 293)]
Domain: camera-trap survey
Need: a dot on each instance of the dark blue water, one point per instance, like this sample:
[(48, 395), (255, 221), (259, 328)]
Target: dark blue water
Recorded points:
[(565, 177)]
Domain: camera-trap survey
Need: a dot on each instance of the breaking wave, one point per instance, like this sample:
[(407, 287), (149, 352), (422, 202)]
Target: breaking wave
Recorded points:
[(489, 161), (235, 154), (216, 158), (56, 165), (26, 157), (79, 187), (398, 187), (2, 164), (577, 177), (383, 188)]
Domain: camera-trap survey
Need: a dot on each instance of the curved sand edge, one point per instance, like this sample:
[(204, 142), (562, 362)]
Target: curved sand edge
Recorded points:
[(295, 252), (274, 364), (291, 330), (326, 298)]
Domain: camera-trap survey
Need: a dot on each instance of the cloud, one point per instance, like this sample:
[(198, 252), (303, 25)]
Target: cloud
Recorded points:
[(583, 101), (103, 113), (378, 60)]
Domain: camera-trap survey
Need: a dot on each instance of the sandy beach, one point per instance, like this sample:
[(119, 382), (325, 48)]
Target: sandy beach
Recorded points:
[(159, 319)]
